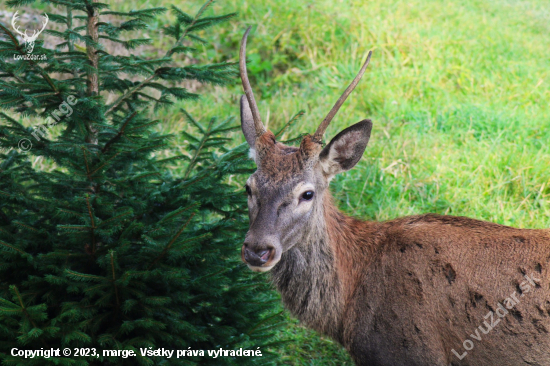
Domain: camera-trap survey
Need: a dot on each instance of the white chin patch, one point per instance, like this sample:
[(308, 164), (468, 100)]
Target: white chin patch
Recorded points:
[(252, 154), (260, 269)]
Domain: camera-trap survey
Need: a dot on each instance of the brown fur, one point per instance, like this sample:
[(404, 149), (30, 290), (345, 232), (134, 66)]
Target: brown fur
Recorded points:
[(404, 292), (408, 291)]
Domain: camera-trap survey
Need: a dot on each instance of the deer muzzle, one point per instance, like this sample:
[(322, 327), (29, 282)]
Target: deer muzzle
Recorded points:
[(260, 256)]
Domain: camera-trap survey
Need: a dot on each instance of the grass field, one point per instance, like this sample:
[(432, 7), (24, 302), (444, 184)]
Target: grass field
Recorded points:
[(458, 93)]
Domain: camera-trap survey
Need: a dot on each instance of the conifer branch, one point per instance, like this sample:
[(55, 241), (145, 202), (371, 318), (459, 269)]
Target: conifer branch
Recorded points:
[(167, 247), (264, 321), (70, 212), (4, 217), (86, 162), (205, 137), (119, 134), (129, 93), (70, 42), (24, 309), (114, 218), (85, 276), (12, 247), (190, 26), (168, 54), (19, 49), (93, 224), (28, 227), (114, 280), (12, 37), (104, 164)]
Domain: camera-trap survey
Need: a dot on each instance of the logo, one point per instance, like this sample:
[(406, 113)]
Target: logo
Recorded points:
[(29, 40)]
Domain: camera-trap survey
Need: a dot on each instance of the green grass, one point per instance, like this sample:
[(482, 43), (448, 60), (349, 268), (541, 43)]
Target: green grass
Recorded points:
[(458, 93)]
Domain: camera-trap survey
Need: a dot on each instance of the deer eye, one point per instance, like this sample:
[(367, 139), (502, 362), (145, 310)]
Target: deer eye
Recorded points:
[(248, 190), (307, 196)]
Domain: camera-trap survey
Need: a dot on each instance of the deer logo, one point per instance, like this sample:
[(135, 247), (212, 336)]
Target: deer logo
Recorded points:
[(29, 40)]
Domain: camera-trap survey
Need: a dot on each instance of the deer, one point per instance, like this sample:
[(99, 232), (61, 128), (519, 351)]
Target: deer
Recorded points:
[(429, 289), (29, 40)]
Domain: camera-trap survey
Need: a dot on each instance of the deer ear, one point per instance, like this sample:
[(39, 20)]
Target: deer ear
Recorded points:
[(345, 149)]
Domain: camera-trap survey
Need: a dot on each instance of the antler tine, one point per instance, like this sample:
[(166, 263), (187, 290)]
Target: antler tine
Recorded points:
[(46, 18), (13, 19), (318, 136), (35, 32), (260, 129)]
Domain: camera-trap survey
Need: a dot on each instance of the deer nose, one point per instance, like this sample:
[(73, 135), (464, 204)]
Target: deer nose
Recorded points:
[(256, 256)]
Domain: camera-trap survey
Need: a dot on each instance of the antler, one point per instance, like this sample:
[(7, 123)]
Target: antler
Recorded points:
[(260, 129), (34, 34), (46, 19), (16, 28), (318, 136)]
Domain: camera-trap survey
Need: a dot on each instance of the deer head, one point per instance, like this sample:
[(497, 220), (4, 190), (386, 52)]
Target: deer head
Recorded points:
[(286, 193), (29, 40)]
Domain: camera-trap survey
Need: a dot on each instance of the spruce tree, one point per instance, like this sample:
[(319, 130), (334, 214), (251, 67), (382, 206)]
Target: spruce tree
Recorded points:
[(125, 244)]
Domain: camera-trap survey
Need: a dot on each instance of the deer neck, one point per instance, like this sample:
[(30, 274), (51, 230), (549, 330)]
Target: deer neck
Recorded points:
[(314, 276)]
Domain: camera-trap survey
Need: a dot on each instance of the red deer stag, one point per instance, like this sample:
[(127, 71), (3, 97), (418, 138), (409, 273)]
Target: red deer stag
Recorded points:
[(419, 290)]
